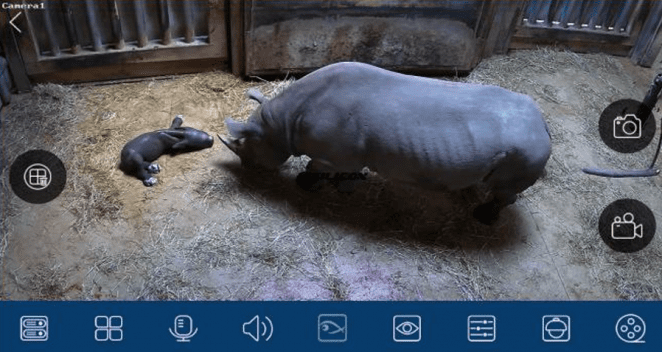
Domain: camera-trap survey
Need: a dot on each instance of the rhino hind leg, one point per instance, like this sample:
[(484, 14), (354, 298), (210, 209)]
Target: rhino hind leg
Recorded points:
[(132, 163)]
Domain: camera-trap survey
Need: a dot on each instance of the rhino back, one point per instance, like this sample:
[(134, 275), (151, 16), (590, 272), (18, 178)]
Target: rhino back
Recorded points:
[(411, 128)]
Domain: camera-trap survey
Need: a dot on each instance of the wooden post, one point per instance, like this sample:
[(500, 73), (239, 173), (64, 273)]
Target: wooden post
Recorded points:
[(503, 17), (237, 33), (649, 41)]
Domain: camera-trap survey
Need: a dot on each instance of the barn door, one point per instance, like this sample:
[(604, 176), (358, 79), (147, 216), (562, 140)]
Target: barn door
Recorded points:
[(622, 27), (92, 40)]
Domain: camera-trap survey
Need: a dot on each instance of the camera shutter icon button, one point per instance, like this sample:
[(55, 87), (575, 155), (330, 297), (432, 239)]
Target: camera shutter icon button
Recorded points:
[(622, 128), (627, 127)]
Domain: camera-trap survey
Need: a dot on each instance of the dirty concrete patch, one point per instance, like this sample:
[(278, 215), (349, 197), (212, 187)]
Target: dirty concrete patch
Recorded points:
[(386, 42)]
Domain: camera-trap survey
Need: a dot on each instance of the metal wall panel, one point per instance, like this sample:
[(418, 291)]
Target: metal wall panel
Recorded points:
[(79, 27), (609, 26), (74, 35)]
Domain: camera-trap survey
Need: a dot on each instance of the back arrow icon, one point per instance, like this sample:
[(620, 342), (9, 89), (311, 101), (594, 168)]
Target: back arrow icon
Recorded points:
[(12, 20)]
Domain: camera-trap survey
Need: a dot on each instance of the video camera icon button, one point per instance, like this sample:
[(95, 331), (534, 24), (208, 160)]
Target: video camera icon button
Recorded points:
[(627, 225)]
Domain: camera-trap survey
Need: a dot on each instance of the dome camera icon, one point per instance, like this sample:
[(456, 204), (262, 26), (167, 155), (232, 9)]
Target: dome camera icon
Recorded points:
[(556, 328)]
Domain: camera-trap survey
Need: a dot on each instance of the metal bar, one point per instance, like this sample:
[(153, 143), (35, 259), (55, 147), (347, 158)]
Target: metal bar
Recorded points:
[(601, 18), (116, 24), (611, 14), (33, 37), (189, 35), (542, 18), (93, 25), (52, 38), (593, 15), (164, 6), (562, 12), (70, 25), (621, 21), (573, 15), (634, 15), (532, 9), (141, 23)]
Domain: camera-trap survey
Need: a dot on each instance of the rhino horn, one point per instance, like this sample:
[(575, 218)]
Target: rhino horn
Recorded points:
[(232, 145)]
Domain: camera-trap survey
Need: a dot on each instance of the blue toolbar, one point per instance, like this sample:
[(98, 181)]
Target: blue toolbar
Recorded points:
[(330, 326)]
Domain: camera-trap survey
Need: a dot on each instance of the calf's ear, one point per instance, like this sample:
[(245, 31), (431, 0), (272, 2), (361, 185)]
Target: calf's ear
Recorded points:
[(242, 130)]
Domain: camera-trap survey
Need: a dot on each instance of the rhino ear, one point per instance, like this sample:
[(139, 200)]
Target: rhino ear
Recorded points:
[(242, 130), (256, 95)]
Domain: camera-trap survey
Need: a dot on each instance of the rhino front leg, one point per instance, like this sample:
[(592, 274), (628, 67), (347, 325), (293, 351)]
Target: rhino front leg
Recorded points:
[(488, 213), (317, 175)]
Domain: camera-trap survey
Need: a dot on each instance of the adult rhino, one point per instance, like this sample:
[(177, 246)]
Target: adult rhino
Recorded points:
[(428, 132)]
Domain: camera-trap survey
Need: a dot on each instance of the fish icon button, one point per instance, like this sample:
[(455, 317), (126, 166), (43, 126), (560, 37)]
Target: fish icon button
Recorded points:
[(332, 328)]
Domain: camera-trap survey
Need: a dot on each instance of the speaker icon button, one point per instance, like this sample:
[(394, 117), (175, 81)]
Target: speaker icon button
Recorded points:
[(257, 328)]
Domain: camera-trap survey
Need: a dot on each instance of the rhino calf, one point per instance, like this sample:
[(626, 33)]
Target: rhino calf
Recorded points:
[(138, 154), (428, 132)]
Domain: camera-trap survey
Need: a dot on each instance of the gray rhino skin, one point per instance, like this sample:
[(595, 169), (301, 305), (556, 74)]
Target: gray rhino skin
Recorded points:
[(428, 132)]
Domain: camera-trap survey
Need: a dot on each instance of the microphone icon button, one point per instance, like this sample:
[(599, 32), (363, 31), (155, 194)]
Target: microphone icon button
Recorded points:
[(184, 329)]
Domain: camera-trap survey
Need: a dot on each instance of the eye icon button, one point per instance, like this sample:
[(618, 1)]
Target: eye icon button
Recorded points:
[(407, 328)]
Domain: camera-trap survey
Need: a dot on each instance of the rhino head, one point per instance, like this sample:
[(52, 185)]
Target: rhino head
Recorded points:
[(253, 145)]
